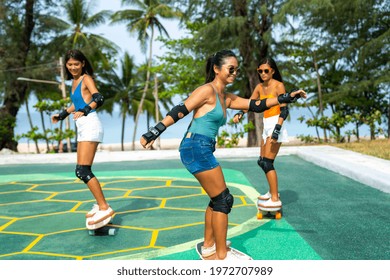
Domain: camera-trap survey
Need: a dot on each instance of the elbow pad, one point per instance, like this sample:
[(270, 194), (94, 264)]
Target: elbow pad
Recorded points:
[(98, 99), (178, 112), (284, 112), (258, 108)]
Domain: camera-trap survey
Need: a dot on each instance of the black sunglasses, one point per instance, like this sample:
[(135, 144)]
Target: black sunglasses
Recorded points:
[(260, 71), (233, 69)]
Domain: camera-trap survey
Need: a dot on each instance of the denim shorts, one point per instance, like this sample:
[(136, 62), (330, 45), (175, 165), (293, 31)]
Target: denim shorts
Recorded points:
[(196, 153)]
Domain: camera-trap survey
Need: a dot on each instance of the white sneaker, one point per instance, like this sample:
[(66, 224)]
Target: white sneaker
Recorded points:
[(270, 204), (93, 211), (208, 251), (266, 196), (100, 219), (233, 255)]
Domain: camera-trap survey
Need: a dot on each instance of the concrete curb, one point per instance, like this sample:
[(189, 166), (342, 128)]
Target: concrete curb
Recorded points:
[(372, 171)]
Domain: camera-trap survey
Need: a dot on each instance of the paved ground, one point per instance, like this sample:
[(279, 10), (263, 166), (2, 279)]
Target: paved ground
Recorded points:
[(336, 206)]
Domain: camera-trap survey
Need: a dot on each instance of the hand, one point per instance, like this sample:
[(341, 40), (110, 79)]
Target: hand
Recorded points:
[(55, 118), (145, 143), (77, 115), (299, 92)]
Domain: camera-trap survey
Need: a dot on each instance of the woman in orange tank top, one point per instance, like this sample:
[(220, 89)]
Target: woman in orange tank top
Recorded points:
[(271, 85)]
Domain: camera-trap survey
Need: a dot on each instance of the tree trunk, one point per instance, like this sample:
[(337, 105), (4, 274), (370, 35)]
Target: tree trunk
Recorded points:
[(251, 52), (17, 93), (141, 103)]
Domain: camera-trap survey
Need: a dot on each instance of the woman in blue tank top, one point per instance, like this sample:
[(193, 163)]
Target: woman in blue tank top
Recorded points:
[(209, 103), (85, 100)]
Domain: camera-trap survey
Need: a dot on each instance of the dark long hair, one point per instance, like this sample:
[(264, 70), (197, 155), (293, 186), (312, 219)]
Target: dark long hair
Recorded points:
[(218, 60), (272, 64), (78, 55)]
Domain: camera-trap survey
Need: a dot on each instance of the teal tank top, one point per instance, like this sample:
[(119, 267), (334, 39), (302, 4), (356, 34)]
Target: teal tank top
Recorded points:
[(209, 123)]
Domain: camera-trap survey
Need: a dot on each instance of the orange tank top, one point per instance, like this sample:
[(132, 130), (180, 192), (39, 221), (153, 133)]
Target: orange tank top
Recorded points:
[(273, 111)]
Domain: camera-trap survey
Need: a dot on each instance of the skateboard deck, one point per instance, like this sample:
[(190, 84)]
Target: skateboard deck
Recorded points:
[(199, 245), (105, 230)]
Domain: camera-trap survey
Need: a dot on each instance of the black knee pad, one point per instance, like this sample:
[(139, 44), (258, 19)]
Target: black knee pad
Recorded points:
[(83, 172), (223, 202), (266, 164), (211, 204)]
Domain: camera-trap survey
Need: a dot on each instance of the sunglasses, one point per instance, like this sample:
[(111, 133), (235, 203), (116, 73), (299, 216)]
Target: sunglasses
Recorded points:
[(260, 71), (233, 69)]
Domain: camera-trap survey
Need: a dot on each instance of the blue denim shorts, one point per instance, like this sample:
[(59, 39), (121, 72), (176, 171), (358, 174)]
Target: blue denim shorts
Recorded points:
[(196, 153)]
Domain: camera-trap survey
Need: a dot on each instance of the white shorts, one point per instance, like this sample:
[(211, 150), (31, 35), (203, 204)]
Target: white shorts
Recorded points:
[(269, 125), (89, 128)]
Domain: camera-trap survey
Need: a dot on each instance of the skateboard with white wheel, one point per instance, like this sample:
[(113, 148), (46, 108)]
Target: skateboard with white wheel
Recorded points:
[(103, 231), (198, 249), (104, 227)]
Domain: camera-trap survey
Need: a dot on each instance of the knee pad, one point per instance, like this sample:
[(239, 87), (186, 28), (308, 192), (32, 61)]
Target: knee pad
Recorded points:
[(266, 164), (84, 173), (223, 202), (211, 204)]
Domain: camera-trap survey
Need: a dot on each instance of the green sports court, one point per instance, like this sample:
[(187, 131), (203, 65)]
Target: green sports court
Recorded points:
[(160, 211)]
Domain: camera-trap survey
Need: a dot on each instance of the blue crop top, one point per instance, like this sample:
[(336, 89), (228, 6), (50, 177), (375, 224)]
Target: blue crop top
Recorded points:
[(77, 98), (209, 123)]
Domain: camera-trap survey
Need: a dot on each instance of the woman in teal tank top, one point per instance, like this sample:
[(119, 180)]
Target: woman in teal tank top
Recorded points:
[(209, 103)]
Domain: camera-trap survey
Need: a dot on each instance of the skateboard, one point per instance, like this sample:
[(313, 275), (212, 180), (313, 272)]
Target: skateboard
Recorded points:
[(268, 212), (106, 228), (199, 245), (103, 231)]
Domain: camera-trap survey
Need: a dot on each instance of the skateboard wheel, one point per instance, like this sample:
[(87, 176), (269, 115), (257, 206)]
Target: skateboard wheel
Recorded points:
[(111, 231), (259, 215), (278, 215)]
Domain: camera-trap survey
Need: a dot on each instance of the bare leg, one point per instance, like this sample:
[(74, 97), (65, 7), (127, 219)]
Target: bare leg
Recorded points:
[(85, 156), (216, 223), (208, 228), (270, 151)]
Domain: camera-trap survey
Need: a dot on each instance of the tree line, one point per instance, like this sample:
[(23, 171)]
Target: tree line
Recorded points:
[(336, 50)]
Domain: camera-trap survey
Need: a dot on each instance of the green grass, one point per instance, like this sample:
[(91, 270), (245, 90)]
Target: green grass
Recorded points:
[(377, 148)]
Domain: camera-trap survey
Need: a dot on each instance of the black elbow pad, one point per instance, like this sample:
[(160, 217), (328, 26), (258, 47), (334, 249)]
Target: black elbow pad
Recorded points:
[(258, 108), (284, 112), (178, 112), (98, 99)]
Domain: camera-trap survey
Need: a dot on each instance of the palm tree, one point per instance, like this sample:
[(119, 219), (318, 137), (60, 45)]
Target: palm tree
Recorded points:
[(72, 33), (140, 21), (125, 88)]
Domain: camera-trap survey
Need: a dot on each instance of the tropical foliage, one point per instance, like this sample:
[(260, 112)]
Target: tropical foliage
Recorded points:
[(336, 50)]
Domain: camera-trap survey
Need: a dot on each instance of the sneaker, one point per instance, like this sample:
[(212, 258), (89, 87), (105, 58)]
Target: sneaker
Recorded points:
[(234, 255), (93, 211), (266, 196), (208, 251), (270, 204), (101, 216)]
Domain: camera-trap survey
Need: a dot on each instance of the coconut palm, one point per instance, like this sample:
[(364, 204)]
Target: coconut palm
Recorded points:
[(143, 20), (125, 88), (73, 32)]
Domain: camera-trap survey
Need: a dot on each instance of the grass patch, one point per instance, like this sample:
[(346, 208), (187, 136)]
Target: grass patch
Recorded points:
[(377, 148)]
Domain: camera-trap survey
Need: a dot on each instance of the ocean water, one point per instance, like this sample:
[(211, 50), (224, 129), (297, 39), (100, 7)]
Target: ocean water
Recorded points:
[(112, 126)]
